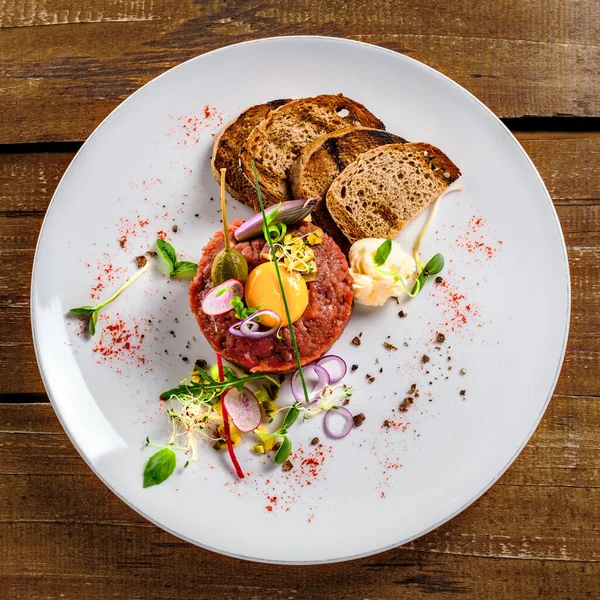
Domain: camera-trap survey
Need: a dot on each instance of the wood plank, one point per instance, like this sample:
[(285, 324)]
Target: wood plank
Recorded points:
[(28, 180), (533, 533), (36, 13), (510, 55), (567, 165), (133, 562), (502, 20)]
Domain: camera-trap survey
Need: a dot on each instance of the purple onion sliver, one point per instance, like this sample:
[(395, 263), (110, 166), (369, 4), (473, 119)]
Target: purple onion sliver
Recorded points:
[(235, 330), (322, 362), (288, 212), (313, 394), (347, 427), (249, 326)]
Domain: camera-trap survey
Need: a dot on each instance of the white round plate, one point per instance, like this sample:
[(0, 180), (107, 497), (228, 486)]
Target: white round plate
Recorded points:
[(503, 307)]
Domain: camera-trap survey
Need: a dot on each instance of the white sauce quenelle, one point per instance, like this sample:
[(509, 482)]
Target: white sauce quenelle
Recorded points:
[(373, 285)]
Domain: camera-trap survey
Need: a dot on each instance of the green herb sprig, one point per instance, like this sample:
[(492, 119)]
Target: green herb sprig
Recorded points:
[(90, 313), (433, 267), (285, 447), (177, 268), (241, 310), (211, 385)]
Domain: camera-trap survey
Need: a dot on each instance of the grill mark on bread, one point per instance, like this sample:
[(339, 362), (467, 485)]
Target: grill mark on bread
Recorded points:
[(331, 147), (227, 149), (386, 187), (275, 143), (323, 159)]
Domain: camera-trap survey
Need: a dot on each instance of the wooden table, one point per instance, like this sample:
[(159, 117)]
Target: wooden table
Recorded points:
[(65, 65)]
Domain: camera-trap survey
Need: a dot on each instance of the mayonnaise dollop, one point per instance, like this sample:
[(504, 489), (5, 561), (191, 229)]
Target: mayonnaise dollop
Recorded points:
[(372, 286)]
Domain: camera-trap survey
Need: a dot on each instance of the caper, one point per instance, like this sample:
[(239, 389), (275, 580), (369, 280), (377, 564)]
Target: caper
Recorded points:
[(228, 263)]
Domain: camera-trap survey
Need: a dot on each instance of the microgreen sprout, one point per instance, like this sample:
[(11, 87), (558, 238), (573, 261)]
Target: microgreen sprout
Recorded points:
[(90, 313), (434, 266)]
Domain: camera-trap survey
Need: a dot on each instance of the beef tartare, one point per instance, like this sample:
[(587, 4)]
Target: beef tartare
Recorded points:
[(327, 312)]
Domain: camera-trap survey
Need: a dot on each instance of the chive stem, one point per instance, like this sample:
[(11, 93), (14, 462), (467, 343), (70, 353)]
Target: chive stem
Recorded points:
[(285, 304)]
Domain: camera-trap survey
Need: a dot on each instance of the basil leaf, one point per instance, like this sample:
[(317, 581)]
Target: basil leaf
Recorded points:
[(160, 466), (383, 252), (435, 265), (168, 253), (283, 452), (290, 417), (82, 310), (185, 268), (92, 323)]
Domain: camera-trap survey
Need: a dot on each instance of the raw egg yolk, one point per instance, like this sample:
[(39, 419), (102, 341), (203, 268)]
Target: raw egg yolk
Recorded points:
[(262, 289)]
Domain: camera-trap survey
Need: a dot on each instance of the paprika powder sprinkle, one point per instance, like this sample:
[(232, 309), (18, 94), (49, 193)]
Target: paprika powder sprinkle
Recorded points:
[(188, 129), (104, 274), (120, 341), (129, 228), (474, 241)]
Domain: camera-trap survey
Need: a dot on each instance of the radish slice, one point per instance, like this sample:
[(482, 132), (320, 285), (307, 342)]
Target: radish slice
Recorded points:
[(243, 409), (217, 301), (346, 427)]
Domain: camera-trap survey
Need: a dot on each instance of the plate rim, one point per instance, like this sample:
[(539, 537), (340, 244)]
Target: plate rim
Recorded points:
[(307, 38)]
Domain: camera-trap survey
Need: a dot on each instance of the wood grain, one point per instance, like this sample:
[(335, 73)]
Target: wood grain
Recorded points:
[(36, 13), (82, 533), (511, 55), (64, 65)]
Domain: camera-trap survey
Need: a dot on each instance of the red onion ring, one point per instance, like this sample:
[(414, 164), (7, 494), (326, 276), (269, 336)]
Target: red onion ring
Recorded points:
[(235, 328), (322, 381), (347, 428), (249, 327), (339, 360)]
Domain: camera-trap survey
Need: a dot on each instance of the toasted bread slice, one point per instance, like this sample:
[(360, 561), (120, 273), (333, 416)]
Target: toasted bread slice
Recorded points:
[(386, 187), (226, 152), (277, 140), (323, 159)]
